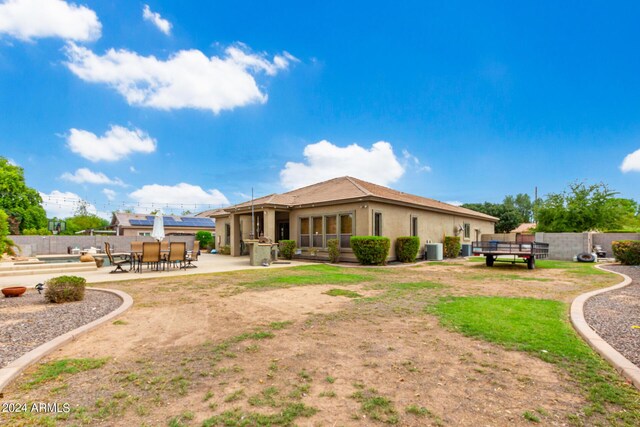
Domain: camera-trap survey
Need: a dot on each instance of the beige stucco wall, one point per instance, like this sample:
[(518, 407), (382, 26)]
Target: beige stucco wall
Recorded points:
[(432, 226), (134, 231)]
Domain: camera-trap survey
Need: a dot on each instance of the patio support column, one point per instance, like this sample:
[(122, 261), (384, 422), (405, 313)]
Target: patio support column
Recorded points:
[(270, 223), (234, 220)]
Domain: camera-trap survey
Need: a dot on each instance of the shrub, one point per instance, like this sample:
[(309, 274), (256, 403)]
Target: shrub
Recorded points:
[(225, 250), (65, 289), (334, 250), (407, 248), (4, 231), (452, 246), (371, 250), (36, 232), (627, 252), (287, 248), (205, 238)]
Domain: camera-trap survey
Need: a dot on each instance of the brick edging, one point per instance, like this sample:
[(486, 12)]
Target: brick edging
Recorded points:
[(15, 368), (623, 365)]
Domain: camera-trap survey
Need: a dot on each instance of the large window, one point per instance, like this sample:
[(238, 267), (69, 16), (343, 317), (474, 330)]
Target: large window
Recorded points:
[(304, 232), (414, 226), (467, 230), (331, 226), (317, 232), (377, 223), (346, 230), (227, 234)]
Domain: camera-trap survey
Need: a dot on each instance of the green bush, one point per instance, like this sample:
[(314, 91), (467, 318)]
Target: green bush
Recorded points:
[(371, 250), (65, 289), (287, 248), (627, 252), (36, 232), (334, 250), (451, 246), (4, 231), (205, 238), (407, 248), (225, 250)]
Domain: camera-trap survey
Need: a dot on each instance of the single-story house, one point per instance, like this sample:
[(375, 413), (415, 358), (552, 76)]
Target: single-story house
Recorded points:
[(340, 208), (128, 224)]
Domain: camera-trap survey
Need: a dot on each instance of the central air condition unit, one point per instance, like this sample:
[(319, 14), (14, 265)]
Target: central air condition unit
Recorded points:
[(433, 251), (466, 249)]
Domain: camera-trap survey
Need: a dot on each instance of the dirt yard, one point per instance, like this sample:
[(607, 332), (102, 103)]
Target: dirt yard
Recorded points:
[(269, 347)]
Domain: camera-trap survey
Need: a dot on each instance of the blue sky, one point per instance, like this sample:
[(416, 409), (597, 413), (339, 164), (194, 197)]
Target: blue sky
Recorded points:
[(187, 105)]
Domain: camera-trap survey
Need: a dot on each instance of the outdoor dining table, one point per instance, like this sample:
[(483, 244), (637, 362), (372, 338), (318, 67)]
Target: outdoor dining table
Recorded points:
[(136, 255)]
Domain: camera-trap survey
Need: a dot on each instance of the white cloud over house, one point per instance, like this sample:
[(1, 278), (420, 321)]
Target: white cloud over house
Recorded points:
[(324, 160), (156, 19), (32, 19), (181, 195), (87, 176), (117, 143), (631, 162), (187, 79)]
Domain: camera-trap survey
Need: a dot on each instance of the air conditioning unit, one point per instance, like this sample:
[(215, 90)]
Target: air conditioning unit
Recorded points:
[(433, 252), (466, 249)]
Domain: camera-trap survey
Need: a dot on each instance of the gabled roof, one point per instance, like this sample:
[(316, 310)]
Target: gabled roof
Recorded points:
[(524, 227), (124, 219), (344, 189)]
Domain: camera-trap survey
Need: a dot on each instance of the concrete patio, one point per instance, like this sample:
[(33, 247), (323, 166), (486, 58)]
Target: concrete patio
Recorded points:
[(207, 263)]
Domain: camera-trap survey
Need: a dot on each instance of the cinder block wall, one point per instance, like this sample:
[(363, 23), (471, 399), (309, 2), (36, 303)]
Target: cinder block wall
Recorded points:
[(605, 239), (51, 245), (501, 237), (564, 246)]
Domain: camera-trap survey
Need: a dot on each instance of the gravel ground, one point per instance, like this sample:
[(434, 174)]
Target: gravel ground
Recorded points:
[(614, 315), (29, 321)]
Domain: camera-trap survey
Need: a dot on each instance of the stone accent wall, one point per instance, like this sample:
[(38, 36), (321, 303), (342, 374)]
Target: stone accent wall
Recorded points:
[(53, 245)]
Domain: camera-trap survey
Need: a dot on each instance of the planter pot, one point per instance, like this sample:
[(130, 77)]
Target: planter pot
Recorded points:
[(86, 258), (99, 262), (14, 291)]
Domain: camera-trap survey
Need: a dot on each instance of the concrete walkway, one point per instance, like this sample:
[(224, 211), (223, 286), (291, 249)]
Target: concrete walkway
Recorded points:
[(207, 263)]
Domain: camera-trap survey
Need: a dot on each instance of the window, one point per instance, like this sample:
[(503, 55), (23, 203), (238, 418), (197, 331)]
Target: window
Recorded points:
[(331, 227), (227, 234), (304, 232), (346, 230), (377, 223), (414, 226), (144, 233), (317, 232), (467, 230)]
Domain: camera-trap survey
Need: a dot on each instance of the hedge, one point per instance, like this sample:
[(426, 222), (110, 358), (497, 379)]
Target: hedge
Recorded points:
[(225, 250), (452, 246), (407, 248), (371, 250), (334, 250), (627, 252), (287, 248), (65, 289)]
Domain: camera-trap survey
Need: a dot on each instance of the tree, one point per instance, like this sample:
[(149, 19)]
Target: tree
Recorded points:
[(205, 238), (583, 207), (509, 216), (19, 202)]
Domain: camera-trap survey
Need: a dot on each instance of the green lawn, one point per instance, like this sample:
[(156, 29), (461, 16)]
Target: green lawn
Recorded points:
[(539, 327)]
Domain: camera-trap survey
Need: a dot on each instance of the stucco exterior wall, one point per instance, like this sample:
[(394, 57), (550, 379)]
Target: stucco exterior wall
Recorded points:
[(432, 226), (167, 230)]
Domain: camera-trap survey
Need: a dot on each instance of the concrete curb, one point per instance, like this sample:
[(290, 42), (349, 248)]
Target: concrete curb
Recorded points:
[(628, 370), (15, 368)]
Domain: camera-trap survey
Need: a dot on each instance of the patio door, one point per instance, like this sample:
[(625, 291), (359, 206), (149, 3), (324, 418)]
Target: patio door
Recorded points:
[(283, 231)]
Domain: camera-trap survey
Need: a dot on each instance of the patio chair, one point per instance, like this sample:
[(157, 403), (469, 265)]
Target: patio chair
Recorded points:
[(193, 255), (117, 264), (150, 255), (177, 254), (136, 252)]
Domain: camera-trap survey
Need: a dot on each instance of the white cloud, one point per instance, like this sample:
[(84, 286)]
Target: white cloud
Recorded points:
[(133, 169), (30, 19), (61, 204), (115, 144), (455, 203), (157, 20), (179, 194), (325, 160), (109, 194), (12, 162), (188, 79), (414, 162), (84, 175), (631, 162)]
